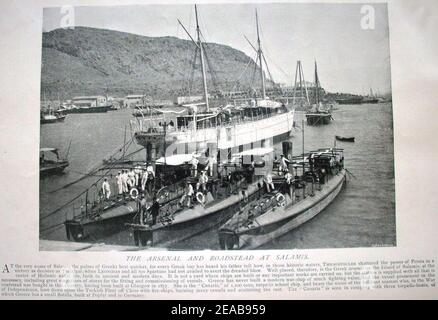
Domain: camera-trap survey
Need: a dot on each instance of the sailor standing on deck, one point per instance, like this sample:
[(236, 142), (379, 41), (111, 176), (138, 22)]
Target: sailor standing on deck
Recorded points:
[(119, 183), (210, 164), (289, 177), (131, 179), (150, 170), (284, 164), (312, 162), (144, 180), (194, 163), (188, 194), (269, 182), (106, 189), (202, 181), (151, 176), (125, 182), (137, 172), (155, 210), (142, 208)]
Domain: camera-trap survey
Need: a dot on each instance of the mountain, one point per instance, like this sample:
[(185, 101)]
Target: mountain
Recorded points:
[(89, 61)]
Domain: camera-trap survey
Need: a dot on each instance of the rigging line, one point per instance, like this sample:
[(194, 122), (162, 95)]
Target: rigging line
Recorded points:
[(64, 205), (86, 174), (188, 76), (70, 201), (275, 64), (269, 54), (91, 172), (202, 26), (254, 63), (241, 75), (191, 38), (213, 74), (192, 71), (187, 87), (186, 72), (253, 74), (111, 154), (55, 226), (267, 68), (206, 46)]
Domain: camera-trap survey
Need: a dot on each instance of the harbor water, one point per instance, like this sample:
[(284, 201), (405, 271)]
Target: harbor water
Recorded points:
[(362, 215)]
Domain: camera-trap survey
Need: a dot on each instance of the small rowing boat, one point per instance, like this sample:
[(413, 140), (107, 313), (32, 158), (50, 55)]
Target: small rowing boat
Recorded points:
[(346, 139)]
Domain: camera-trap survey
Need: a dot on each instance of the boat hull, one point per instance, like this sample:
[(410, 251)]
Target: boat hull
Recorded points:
[(227, 136), (371, 101), (346, 139), (174, 233), (110, 222), (167, 234), (47, 121), (294, 216), (102, 109), (318, 119), (53, 169), (350, 101)]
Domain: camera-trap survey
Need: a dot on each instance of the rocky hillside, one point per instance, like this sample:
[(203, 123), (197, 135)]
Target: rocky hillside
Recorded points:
[(88, 61)]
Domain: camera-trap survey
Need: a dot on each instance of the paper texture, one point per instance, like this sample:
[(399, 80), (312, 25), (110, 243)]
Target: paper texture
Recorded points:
[(371, 236)]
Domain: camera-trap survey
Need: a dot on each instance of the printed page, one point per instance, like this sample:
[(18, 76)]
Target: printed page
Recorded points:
[(218, 150)]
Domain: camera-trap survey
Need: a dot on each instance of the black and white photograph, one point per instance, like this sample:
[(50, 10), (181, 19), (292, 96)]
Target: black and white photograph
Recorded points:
[(186, 127)]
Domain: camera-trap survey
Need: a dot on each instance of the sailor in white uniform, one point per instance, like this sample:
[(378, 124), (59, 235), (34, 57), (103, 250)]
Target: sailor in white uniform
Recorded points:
[(106, 189), (284, 164), (202, 182), (194, 163), (137, 172), (119, 183), (188, 194), (288, 176), (150, 170), (210, 164), (125, 181), (144, 180), (269, 182), (150, 178), (131, 179)]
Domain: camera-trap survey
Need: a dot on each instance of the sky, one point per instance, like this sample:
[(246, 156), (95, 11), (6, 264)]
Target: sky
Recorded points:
[(350, 58)]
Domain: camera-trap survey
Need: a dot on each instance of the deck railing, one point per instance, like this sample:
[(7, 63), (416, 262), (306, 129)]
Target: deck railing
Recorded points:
[(153, 122)]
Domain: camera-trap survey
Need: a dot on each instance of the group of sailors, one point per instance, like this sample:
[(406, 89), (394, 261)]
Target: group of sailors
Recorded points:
[(283, 170), (131, 181), (135, 182), (209, 165), (189, 191), (317, 171)]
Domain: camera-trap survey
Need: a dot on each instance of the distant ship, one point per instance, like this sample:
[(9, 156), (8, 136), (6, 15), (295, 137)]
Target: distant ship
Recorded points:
[(319, 114), (87, 104), (50, 162), (51, 116), (351, 100), (371, 98)]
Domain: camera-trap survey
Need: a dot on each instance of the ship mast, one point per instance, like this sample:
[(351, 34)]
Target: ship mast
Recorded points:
[(316, 85), (259, 53), (204, 78), (299, 76)]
